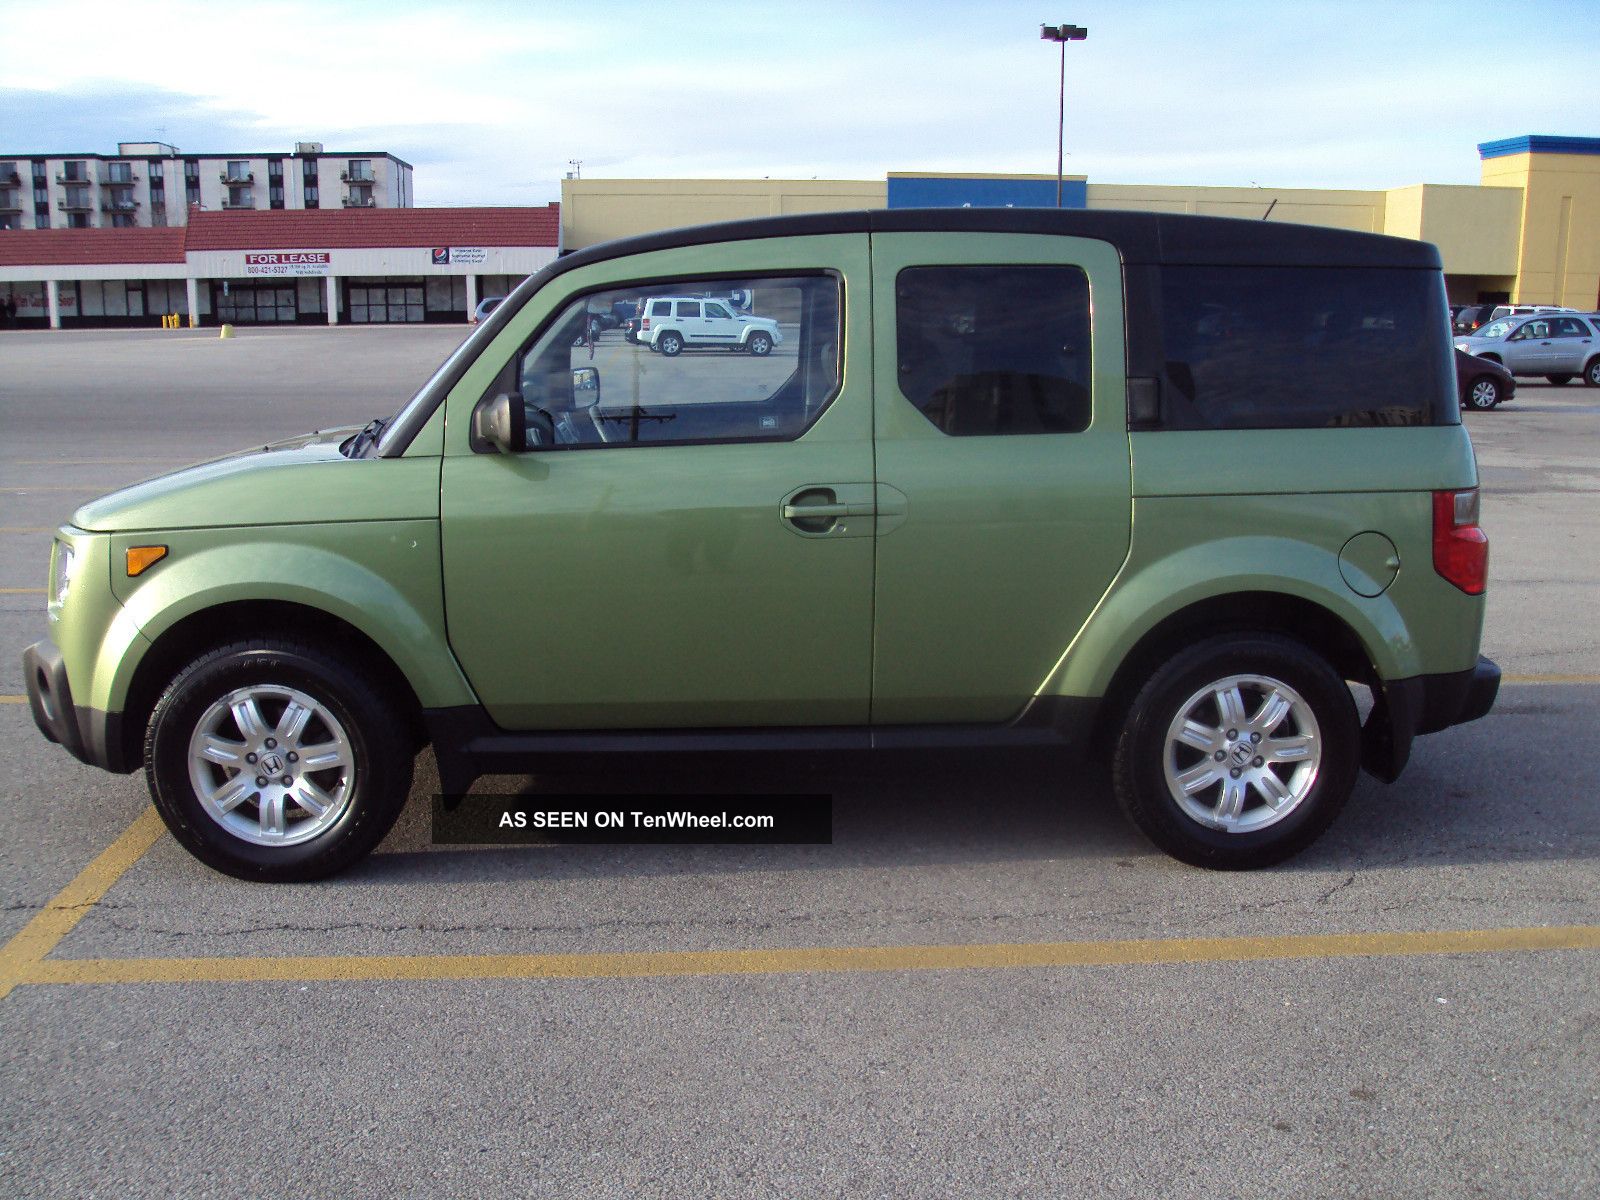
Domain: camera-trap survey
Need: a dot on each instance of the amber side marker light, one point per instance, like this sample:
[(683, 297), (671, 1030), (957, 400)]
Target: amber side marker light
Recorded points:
[(142, 558)]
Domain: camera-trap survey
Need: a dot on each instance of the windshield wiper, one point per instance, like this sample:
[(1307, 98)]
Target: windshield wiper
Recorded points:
[(356, 446)]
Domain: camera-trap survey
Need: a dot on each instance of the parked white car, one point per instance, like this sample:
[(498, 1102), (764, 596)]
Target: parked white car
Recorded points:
[(672, 324), (1524, 310)]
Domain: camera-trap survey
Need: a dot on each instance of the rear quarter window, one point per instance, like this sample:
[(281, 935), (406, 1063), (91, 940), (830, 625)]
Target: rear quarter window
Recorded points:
[(1305, 348)]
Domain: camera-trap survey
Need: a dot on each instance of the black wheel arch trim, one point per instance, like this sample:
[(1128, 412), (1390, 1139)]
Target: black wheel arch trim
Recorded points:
[(90, 735), (1404, 708)]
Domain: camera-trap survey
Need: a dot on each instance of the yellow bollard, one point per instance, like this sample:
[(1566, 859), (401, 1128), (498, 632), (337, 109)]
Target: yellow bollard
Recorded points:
[(227, 331)]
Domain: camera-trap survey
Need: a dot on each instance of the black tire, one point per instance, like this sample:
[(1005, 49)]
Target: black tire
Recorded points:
[(670, 344), (759, 344), (1139, 770), (1558, 380), (1483, 393), (1591, 373), (372, 790)]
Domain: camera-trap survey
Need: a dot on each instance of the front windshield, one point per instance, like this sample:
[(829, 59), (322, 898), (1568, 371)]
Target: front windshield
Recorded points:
[(1496, 329), (465, 351)]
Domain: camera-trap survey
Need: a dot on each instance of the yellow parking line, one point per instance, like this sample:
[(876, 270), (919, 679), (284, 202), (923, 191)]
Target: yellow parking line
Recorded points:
[(54, 487), (21, 591), (26, 529), (818, 959), (1550, 679), (13, 699), (58, 918)]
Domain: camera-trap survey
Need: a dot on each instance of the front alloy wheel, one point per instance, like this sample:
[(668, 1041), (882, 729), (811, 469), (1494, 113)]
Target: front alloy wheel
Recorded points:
[(277, 760), (271, 765)]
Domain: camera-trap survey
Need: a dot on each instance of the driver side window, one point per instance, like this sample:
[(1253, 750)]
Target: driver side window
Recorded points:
[(589, 380)]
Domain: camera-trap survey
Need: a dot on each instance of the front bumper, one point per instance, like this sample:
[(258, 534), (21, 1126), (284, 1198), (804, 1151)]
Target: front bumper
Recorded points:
[(1423, 704), (87, 734)]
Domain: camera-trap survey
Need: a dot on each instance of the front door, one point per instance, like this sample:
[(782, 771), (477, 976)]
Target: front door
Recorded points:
[(1003, 464), (649, 561), (1527, 350), (721, 329)]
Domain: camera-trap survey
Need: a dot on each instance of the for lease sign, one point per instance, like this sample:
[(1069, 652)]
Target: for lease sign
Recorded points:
[(287, 262)]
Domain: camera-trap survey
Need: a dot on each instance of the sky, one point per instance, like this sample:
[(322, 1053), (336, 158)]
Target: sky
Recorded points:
[(491, 101)]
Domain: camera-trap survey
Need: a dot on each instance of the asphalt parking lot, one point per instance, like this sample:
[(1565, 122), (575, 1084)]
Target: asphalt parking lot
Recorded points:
[(987, 985)]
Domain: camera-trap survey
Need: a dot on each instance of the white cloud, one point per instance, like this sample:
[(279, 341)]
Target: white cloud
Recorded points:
[(490, 100)]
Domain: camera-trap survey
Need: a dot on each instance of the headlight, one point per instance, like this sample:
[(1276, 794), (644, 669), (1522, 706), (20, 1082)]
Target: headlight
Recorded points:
[(1462, 346), (62, 568)]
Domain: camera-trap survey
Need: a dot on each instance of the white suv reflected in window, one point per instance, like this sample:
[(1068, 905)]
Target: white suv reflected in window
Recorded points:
[(672, 324)]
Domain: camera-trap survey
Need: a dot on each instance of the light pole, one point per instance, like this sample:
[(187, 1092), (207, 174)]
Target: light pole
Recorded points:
[(1062, 34)]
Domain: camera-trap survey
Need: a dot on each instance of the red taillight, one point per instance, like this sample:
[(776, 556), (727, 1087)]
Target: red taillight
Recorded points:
[(1460, 548), (644, 323)]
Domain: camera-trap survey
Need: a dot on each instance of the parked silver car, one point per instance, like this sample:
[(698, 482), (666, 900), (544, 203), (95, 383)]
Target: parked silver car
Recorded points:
[(1558, 346)]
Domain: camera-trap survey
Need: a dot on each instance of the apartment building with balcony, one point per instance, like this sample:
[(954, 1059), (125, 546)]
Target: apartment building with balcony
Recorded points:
[(154, 185)]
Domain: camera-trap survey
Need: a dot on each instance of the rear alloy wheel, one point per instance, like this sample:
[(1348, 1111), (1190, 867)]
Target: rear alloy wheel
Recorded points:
[(1591, 373), (759, 344), (277, 761), (1484, 394), (1238, 752), (670, 344), (1558, 380)]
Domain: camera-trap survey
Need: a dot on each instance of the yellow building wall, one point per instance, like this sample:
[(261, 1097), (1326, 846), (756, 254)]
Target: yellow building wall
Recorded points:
[(1532, 228), (1361, 211), (598, 210), (1475, 228), (1558, 245)]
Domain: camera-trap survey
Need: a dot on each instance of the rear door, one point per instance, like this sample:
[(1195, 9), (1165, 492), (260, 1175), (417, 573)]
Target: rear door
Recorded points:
[(1004, 507), (691, 322), (1571, 343)]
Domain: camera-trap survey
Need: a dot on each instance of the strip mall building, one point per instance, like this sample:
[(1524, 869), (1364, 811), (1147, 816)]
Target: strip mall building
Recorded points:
[(385, 266), (1527, 232)]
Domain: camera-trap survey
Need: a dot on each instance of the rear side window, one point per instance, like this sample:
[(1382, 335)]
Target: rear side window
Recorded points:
[(989, 350), (1305, 348)]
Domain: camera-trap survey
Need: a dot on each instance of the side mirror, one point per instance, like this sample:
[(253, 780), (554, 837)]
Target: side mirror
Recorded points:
[(500, 423), (585, 387)]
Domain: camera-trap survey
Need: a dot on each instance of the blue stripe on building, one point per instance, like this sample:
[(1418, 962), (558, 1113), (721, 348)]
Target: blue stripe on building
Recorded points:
[(1539, 143), (935, 191)]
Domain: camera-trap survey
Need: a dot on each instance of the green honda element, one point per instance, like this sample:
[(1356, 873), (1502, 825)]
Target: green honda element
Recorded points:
[(1170, 491)]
